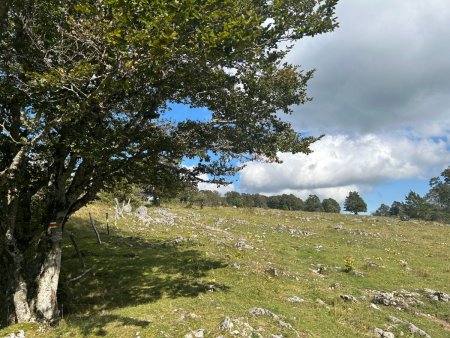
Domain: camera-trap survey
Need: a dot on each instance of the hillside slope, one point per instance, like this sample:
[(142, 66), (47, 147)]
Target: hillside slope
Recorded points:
[(252, 273)]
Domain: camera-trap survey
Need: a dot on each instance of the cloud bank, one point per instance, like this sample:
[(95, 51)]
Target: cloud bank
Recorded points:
[(385, 68), (341, 163)]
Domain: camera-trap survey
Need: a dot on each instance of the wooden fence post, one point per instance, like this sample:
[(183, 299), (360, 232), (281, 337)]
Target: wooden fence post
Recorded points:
[(107, 223), (95, 229)]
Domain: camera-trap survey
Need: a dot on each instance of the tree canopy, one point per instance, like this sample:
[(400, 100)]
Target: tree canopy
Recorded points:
[(354, 203), (331, 205), (434, 206), (313, 203), (85, 87)]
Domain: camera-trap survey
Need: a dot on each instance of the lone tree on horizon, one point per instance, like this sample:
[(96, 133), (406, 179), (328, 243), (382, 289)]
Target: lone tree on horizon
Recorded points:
[(354, 203), (85, 88)]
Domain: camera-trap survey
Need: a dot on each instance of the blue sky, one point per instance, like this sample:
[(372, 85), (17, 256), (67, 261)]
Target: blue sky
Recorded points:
[(381, 96)]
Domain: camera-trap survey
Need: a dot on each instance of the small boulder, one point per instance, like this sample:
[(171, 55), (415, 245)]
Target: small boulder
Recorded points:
[(227, 324), (415, 330)]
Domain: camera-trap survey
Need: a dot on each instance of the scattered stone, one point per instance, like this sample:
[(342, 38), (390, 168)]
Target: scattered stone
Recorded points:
[(372, 265), (237, 266), (20, 334), (321, 302), (349, 298), (415, 330), (177, 240), (141, 212), (295, 299), (374, 306), (261, 311), (357, 273), (400, 299), (294, 231), (285, 324), (165, 217), (383, 334), (211, 288), (227, 324), (318, 247), (437, 295), (265, 312), (127, 208), (395, 320), (338, 227), (241, 244)]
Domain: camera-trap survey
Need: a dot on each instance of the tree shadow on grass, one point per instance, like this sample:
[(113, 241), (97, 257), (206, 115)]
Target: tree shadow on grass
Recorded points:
[(95, 326), (128, 271)]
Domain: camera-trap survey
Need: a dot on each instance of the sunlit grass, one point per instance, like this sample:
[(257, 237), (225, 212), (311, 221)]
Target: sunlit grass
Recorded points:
[(144, 283)]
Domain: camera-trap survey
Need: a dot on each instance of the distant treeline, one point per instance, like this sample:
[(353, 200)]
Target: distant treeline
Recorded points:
[(282, 202), (433, 206)]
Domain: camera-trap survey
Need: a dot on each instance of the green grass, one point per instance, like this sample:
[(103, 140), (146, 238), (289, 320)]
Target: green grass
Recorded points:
[(142, 283)]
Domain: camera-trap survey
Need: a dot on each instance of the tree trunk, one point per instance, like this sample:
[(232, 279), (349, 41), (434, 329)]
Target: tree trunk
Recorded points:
[(46, 302), (34, 297), (43, 305)]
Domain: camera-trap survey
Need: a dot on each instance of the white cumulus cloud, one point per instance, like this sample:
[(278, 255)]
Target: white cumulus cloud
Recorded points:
[(342, 163)]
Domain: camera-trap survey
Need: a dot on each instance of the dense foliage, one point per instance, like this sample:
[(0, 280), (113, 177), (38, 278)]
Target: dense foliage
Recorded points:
[(331, 205), (354, 203), (85, 88), (243, 200), (434, 206)]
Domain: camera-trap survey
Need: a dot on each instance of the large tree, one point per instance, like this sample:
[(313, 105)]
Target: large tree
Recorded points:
[(331, 205), (439, 196), (354, 203), (85, 86), (313, 203)]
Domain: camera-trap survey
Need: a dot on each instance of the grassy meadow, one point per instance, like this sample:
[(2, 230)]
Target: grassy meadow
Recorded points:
[(227, 272)]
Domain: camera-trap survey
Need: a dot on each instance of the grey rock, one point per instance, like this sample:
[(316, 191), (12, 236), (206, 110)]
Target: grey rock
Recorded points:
[(241, 244), (211, 288), (261, 311), (338, 227), (399, 299), (383, 334), (437, 295), (415, 330), (357, 273), (20, 334), (348, 298), (198, 333), (177, 240), (320, 302), (237, 266), (295, 299), (227, 324), (141, 212), (374, 306), (395, 320), (284, 324), (127, 208)]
